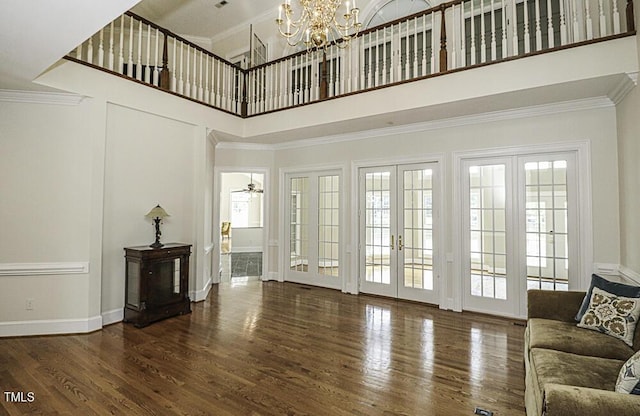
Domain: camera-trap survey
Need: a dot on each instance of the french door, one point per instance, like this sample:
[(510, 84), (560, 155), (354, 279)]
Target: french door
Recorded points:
[(519, 229), (313, 234), (397, 213)]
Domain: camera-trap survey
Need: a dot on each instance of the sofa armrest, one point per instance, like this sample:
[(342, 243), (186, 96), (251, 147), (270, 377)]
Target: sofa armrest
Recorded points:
[(557, 305), (561, 400)]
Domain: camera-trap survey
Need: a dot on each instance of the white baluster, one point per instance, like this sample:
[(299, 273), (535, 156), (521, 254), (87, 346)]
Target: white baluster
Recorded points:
[(434, 45), (121, 47), (407, 64), (79, 52), (130, 60), (194, 79), (504, 51), (111, 60), (218, 87), (370, 65), (588, 21), (205, 86), (563, 25), (483, 36), (376, 72), (494, 51), (307, 80), (139, 54), (538, 28), (463, 39), (223, 93), (399, 54), (156, 65), (514, 19), (550, 34), (200, 84), (174, 68), (147, 70), (527, 36), (362, 82), (616, 17), (576, 26), (290, 82), (90, 50), (454, 43), (473, 34), (187, 77), (603, 20), (424, 44), (181, 77), (101, 49), (342, 71), (415, 47), (392, 52)]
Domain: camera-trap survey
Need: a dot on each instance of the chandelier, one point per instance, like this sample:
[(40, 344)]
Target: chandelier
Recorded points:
[(317, 25)]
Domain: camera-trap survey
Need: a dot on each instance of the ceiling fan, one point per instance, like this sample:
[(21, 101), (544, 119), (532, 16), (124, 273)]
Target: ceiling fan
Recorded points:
[(251, 188)]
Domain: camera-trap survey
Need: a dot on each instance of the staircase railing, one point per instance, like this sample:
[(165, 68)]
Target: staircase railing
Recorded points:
[(450, 37)]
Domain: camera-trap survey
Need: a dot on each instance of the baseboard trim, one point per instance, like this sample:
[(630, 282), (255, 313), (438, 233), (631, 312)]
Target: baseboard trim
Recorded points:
[(257, 249), (112, 317), (50, 327), (271, 276), (200, 295), (30, 269)]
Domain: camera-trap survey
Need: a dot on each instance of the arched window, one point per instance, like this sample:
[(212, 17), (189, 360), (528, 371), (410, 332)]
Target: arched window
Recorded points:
[(387, 10)]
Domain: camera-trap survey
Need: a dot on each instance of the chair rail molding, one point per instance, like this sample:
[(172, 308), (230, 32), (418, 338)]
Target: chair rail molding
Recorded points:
[(30, 269)]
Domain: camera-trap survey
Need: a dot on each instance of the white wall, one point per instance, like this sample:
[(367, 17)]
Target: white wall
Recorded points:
[(46, 157), (149, 160)]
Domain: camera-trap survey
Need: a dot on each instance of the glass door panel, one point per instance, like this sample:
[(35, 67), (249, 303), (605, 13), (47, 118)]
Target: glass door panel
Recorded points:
[(397, 231), (299, 224), (546, 224), (328, 225), (415, 242)]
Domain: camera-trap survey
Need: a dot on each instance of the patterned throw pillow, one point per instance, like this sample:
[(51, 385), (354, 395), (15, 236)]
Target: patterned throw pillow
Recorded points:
[(629, 377), (613, 315), (615, 288)]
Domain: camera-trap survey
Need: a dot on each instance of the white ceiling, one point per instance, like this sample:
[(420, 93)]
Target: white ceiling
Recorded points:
[(201, 18), (34, 34)]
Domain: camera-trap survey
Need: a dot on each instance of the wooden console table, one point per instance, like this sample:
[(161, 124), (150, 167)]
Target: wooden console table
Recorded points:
[(157, 281)]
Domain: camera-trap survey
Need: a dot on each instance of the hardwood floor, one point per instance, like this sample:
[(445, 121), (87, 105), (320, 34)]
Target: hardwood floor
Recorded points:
[(276, 349)]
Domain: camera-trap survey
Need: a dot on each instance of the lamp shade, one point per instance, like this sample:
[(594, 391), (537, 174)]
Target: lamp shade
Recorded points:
[(157, 212)]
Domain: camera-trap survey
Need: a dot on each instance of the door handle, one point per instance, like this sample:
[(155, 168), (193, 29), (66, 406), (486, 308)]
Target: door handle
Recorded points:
[(392, 243), (400, 243)]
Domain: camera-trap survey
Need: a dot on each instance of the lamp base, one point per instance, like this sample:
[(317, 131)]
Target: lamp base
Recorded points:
[(157, 244)]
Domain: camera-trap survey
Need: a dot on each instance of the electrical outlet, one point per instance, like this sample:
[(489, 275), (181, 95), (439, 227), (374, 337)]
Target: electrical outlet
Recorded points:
[(28, 305), (483, 412)]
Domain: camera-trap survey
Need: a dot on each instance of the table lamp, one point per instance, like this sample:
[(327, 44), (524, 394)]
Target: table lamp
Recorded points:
[(157, 214)]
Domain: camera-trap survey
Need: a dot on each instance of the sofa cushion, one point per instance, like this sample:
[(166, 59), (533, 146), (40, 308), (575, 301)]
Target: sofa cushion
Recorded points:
[(619, 289), (629, 376), (612, 314), (574, 370), (567, 337)]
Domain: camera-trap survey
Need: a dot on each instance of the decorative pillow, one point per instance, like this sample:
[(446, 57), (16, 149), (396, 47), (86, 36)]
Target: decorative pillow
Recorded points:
[(613, 315), (619, 289), (629, 376)]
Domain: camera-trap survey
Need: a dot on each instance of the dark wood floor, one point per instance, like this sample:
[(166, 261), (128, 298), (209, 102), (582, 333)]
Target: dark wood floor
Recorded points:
[(276, 349)]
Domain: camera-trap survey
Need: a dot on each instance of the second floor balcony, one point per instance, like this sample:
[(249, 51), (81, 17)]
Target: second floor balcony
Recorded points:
[(522, 49)]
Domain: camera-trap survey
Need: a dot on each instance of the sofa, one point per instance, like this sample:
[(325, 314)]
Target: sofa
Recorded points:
[(572, 370)]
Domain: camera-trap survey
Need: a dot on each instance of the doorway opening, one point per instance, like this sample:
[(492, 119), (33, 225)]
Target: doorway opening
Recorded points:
[(242, 208)]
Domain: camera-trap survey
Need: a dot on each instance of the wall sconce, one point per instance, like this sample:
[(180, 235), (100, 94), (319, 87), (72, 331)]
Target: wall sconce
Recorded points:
[(157, 214)]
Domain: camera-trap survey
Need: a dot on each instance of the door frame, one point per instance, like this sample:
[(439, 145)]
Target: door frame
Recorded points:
[(218, 171), (440, 262), (283, 259), (584, 233)]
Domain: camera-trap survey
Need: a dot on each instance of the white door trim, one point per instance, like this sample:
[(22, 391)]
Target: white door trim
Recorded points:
[(584, 211), (438, 158)]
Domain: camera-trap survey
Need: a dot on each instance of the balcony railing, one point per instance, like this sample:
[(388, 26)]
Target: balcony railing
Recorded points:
[(449, 37)]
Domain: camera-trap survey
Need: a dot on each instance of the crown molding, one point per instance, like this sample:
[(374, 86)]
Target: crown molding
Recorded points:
[(242, 27), (489, 117), (40, 97), (626, 84)]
